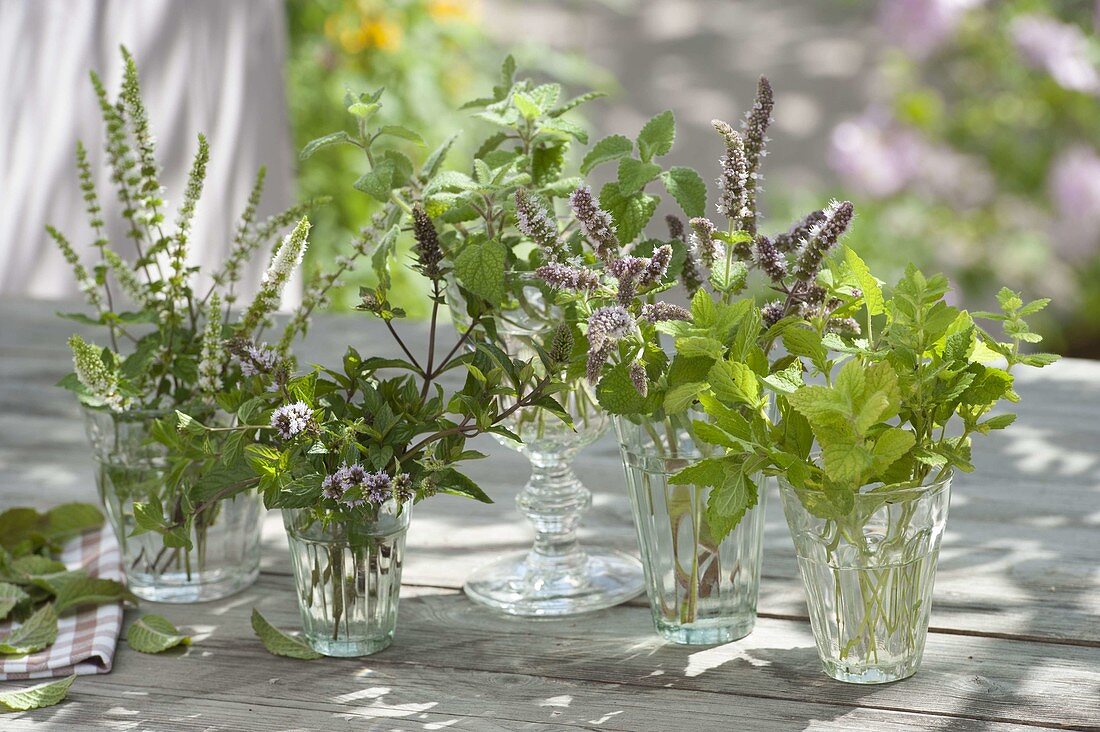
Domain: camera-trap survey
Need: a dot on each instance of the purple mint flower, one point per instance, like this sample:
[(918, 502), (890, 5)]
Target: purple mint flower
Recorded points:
[(566, 277), (703, 241), (534, 221), (733, 184), (772, 313), (428, 251), (257, 360), (661, 311), (658, 265), (675, 227), (627, 271), (332, 488), (823, 238), (596, 223), (377, 487), (793, 239), (608, 325), (638, 378), (291, 420), (769, 259), (597, 358), (1061, 49), (843, 326), (754, 130)]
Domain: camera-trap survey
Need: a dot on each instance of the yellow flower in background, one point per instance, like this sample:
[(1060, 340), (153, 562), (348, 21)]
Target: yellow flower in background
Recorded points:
[(383, 34), (464, 10)]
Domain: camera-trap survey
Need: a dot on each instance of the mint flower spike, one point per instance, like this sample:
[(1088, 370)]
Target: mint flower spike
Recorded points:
[(212, 358), (657, 267), (769, 259), (291, 420), (797, 235), (690, 275), (823, 237), (538, 225), (773, 312), (659, 312), (596, 224), (754, 130), (126, 277), (428, 252), (638, 378), (83, 280), (707, 248), (567, 277), (99, 380), (733, 183), (283, 263)]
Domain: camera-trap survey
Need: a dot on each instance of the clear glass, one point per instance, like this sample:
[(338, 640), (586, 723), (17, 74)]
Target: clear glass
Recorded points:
[(868, 577), (225, 537), (348, 578), (556, 576), (700, 591)]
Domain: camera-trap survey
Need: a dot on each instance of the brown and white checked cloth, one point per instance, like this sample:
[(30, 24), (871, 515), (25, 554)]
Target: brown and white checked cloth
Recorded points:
[(85, 639)]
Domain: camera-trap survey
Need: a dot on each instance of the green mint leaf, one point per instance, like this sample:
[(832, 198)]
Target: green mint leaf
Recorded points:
[(634, 175), (786, 381), (278, 642), (39, 631), (631, 212), (657, 136), (438, 156), (70, 520), (714, 435), (617, 395), (704, 313), (890, 446), (36, 697), (314, 145), (818, 403), (403, 132), (729, 502), (734, 382), (480, 269), (379, 181), (457, 484), (707, 472), (687, 187), (872, 290), (154, 634), (678, 398), (806, 343), (526, 106), (74, 589), (10, 596), (575, 102), (845, 462), (700, 347), (999, 422)]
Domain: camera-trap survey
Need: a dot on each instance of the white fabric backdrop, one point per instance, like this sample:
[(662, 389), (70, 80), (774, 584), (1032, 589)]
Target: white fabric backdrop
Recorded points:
[(206, 66)]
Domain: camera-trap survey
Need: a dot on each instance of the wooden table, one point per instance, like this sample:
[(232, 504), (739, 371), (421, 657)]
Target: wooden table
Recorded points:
[(1014, 645)]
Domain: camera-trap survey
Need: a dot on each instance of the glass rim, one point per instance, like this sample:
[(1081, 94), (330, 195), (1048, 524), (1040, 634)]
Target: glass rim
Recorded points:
[(881, 490)]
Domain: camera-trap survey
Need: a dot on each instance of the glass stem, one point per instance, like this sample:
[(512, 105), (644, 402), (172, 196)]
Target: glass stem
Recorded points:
[(552, 501)]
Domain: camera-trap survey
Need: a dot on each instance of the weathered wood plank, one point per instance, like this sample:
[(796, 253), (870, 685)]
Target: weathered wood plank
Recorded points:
[(455, 665)]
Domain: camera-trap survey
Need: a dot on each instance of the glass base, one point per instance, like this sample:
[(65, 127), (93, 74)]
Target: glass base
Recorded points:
[(516, 586), (175, 587), (862, 674), (707, 633), (345, 648)]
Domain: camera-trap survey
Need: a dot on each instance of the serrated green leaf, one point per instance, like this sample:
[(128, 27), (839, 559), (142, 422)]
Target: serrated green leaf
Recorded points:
[(872, 290), (607, 149), (617, 395), (657, 136), (70, 520), (154, 634), (890, 446), (379, 181), (634, 175), (630, 212), (74, 589), (527, 107), (700, 347), (845, 462), (333, 139), (734, 382), (39, 631), (687, 187), (36, 697), (817, 402), (278, 642), (10, 596), (729, 502), (403, 132), (681, 396), (707, 472), (480, 269)]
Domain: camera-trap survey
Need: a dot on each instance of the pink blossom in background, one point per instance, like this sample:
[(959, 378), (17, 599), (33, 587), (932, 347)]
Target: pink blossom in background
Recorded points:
[(919, 27), (874, 155), (1074, 186), (1061, 49)]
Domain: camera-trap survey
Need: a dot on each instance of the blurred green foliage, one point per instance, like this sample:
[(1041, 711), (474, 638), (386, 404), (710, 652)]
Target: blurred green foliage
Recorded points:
[(981, 154)]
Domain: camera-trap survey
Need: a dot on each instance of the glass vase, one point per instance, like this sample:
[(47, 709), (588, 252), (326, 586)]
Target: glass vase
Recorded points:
[(348, 578), (225, 537), (556, 576), (701, 591), (868, 576)]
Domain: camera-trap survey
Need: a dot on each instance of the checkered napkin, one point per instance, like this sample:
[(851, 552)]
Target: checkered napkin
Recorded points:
[(85, 639)]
